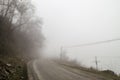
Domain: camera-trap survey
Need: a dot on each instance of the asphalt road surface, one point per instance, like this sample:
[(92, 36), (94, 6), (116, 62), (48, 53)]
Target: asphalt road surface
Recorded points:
[(49, 70)]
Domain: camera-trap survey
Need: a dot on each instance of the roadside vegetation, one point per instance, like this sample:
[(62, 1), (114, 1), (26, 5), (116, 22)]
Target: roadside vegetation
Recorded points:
[(20, 38), (74, 66), (12, 68)]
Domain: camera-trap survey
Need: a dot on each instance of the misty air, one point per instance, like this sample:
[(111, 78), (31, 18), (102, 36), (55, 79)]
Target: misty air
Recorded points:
[(59, 40)]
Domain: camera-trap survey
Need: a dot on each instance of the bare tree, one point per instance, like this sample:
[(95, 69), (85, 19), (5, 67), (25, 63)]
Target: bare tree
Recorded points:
[(20, 30)]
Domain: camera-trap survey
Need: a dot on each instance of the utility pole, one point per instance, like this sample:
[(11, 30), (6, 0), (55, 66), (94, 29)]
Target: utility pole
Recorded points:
[(96, 62), (61, 53)]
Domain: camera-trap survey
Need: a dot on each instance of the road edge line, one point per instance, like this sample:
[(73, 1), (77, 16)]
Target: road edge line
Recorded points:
[(30, 77), (37, 71)]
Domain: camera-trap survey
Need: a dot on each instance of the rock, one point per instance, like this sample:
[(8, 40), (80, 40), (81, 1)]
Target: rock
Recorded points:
[(9, 65)]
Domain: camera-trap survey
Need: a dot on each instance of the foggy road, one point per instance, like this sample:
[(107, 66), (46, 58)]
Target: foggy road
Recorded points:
[(49, 70)]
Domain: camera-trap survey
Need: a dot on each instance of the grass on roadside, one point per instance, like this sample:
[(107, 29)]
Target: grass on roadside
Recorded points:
[(73, 65)]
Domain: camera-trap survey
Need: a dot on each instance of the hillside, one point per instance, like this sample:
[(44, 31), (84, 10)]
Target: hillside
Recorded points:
[(12, 68)]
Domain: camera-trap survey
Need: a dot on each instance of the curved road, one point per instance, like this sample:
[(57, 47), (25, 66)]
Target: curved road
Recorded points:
[(49, 70)]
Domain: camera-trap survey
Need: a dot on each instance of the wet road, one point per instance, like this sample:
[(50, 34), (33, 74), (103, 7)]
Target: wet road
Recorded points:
[(49, 70)]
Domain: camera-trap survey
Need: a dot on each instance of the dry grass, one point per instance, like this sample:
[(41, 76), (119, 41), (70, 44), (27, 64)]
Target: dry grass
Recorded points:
[(74, 65)]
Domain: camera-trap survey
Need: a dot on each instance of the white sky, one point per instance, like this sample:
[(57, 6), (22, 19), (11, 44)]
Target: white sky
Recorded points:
[(73, 22)]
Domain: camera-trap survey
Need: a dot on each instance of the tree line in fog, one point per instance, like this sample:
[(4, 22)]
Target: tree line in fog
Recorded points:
[(20, 29)]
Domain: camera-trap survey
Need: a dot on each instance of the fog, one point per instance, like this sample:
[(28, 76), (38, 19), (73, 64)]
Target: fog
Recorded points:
[(75, 22)]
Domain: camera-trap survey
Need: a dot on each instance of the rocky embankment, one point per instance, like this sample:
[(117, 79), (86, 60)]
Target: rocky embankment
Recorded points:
[(12, 69)]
